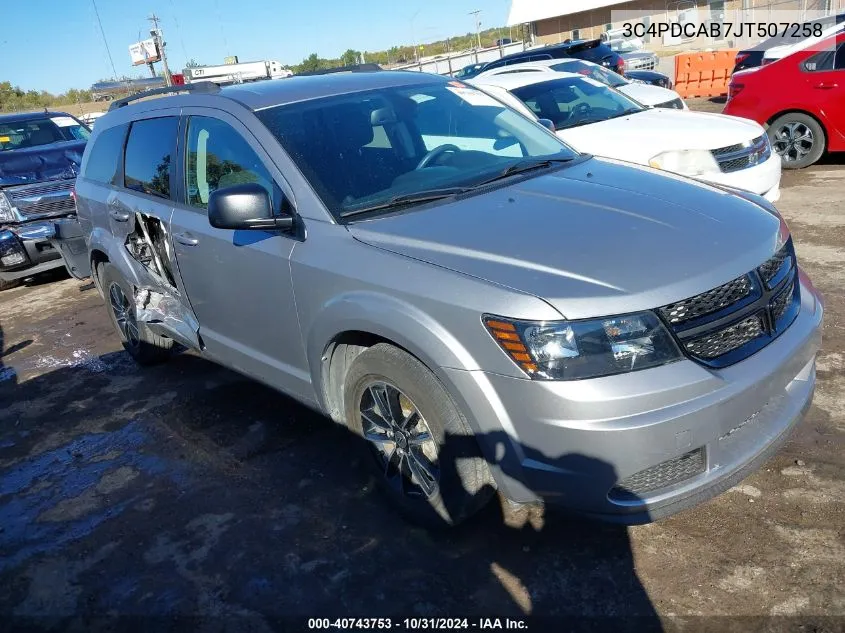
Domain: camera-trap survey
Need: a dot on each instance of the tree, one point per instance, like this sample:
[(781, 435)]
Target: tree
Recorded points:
[(310, 63), (350, 57)]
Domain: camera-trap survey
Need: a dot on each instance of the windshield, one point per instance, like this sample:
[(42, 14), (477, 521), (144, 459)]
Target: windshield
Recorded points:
[(571, 102), (35, 132), (364, 149), (599, 73)]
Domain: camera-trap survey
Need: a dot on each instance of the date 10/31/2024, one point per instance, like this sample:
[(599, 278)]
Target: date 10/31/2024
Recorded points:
[(415, 624)]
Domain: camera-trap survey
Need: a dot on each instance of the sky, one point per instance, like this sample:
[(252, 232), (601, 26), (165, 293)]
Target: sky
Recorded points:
[(56, 45)]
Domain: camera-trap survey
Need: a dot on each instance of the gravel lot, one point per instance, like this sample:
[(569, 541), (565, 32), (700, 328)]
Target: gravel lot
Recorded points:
[(187, 489)]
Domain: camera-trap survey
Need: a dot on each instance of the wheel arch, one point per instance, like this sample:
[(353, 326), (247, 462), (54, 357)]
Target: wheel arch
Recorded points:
[(352, 323), (97, 257)]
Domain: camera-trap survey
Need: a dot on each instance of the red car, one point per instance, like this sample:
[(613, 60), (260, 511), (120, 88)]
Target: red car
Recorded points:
[(800, 99)]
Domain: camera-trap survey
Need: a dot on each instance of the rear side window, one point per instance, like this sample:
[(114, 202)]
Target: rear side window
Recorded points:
[(104, 158), (826, 60), (148, 156)]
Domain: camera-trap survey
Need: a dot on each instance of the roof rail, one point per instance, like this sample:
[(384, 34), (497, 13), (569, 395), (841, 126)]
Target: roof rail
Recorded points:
[(356, 68), (207, 87)]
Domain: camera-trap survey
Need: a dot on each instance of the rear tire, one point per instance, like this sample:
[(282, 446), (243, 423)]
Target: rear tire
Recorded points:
[(798, 139), (145, 347), (438, 439)]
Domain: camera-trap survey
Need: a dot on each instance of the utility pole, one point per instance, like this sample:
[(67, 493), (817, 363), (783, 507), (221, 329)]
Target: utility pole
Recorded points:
[(159, 40), (477, 31)]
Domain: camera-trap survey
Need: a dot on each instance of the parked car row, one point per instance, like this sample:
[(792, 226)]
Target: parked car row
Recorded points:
[(595, 118), (647, 94), (595, 51)]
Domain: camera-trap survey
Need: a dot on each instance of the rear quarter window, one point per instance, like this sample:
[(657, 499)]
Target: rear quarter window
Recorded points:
[(148, 162), (103, 160)]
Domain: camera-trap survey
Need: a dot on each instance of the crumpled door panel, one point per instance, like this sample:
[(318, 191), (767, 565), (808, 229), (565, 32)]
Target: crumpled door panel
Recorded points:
[(158, 302)]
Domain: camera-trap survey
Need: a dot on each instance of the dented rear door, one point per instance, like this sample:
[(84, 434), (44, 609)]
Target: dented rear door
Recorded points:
[(139, 215)]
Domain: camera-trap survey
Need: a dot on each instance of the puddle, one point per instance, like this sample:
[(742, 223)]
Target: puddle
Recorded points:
[(78, 471)]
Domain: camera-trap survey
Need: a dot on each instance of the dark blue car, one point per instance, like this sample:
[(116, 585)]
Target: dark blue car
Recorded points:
[(40, 155)]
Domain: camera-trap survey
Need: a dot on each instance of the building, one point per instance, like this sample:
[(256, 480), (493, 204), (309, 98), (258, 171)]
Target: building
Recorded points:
[(554, 21)]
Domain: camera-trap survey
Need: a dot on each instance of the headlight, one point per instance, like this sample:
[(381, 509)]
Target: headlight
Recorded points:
[(572, 350), (688, 162), (8, 213)]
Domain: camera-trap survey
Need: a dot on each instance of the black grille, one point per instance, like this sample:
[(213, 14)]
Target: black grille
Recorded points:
[(727, 340), (782, 302), (728, 149), (779, 262), (674, 104), (735, 164), (708, 302), (743, 155), (660, 476), (729, 323)]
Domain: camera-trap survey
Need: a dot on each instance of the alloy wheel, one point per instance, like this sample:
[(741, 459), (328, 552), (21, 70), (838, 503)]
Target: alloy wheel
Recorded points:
[(401, 440), (793, 141), (124, 315)]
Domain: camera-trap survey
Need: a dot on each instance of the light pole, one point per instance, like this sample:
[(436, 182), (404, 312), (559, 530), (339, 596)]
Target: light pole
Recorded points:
[(477, 31), (414, 37)]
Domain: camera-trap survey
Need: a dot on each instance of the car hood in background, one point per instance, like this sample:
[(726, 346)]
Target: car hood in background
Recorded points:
[(648, 94), (43, 162), (597, 238), (641, 136)]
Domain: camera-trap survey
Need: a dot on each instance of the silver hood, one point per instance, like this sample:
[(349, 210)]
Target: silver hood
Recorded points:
[(596, 238)]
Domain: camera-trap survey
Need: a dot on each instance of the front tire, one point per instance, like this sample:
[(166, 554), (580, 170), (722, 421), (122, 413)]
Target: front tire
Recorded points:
[(798, 139), (143, 346), (419, 445)]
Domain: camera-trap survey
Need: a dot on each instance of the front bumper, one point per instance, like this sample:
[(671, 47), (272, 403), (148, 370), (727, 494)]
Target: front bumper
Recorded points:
[(763, 179), (31, 242), (571, 443)]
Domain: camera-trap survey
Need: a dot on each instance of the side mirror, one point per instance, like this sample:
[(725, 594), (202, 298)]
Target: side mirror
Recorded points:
[(244, 207), (547, 123)]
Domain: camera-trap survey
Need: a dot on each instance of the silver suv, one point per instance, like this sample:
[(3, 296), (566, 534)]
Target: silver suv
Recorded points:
[(485, 307)]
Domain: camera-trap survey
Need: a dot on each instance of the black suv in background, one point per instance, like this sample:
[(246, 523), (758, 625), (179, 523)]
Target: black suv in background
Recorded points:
[(40, 155)]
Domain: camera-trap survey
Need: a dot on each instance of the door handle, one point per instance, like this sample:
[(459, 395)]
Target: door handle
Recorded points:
[(186, 239), (826, 86), (117, 211)]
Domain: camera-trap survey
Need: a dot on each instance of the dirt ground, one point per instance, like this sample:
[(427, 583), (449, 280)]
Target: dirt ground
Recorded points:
[(186, 489)]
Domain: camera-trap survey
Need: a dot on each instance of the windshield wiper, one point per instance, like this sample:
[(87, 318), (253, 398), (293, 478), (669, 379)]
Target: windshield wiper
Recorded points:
[(425, 195), (523, 166)]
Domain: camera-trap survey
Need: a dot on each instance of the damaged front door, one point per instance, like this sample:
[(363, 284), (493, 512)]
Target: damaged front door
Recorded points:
[(238, 282), (139, 216)]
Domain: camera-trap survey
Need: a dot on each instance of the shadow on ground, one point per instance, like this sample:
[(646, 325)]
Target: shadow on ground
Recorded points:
[(185, 489)]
